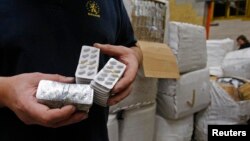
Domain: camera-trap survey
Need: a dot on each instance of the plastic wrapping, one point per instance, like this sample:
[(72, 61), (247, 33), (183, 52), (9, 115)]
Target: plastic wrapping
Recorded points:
[(184, 97), (113, 128), (217, 49), (223, 110), (188, 43), (138, 124), (173, 130), (143, 93), (237, 64), (56, 95)]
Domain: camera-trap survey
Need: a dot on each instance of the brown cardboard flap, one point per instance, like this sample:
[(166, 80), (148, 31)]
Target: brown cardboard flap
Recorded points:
[(158, 60)]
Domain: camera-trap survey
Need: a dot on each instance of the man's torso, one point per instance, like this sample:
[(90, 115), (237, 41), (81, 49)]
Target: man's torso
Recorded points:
[(46, 36)]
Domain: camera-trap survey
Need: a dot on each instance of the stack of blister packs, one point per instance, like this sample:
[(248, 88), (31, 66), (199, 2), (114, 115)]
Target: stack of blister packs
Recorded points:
[(56, 95), (88, 65), (102, 82), (106, 79)]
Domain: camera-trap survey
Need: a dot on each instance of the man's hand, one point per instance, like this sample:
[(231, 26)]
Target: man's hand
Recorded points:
[(19, 96), (132, 58)]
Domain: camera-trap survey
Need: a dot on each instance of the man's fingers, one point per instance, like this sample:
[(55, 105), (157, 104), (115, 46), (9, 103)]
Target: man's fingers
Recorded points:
[(127, 56), (46, 116), (57, 115), (110, 49), (75, 118), (126, 80), (120, 96), (55, 77)]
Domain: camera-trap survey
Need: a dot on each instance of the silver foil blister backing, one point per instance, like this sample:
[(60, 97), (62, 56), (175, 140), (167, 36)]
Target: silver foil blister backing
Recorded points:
[(56, 95)]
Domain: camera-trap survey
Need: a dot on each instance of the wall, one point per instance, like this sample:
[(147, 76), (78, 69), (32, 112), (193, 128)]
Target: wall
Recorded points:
[(229, 29), (190, 11)]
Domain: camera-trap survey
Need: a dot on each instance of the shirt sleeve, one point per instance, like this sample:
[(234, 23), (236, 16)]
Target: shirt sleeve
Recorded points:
[(125, 35)]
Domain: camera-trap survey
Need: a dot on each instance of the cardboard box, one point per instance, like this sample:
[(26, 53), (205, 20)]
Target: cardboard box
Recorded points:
[(245, 91), (158, 60)]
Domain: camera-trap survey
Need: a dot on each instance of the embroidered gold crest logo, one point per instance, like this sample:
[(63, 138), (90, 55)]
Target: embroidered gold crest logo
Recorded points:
[(93, 9)]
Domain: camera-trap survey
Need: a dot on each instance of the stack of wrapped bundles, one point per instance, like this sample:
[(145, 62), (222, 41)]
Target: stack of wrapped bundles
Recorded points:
[(133, 125), (135, 115), (216, 51), (173, 130), (184, 97), (138, 124), (229, 106), (178, 100), (237, 64), (113, 127), (137, 112), (143, 93)]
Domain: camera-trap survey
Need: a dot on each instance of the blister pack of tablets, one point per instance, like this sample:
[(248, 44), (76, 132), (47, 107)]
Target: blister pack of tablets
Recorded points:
[(106, 79), (88, 65), (56, 95)]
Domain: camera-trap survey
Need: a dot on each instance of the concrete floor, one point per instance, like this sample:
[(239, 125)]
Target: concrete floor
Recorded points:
[(230, 29)]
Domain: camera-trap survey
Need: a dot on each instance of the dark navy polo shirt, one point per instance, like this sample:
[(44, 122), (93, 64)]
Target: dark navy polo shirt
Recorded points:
[(46, 36)]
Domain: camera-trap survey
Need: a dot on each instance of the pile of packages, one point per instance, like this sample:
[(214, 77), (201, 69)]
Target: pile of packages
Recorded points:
[(91, 85), (230, 89), (133, 118), (213, 87), (171, 117), (224, 60), (179, 100), (229, 106)]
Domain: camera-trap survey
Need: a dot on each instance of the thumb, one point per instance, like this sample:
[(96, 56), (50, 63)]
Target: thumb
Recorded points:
[(57, 77), (65, 79), (110, 49)]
